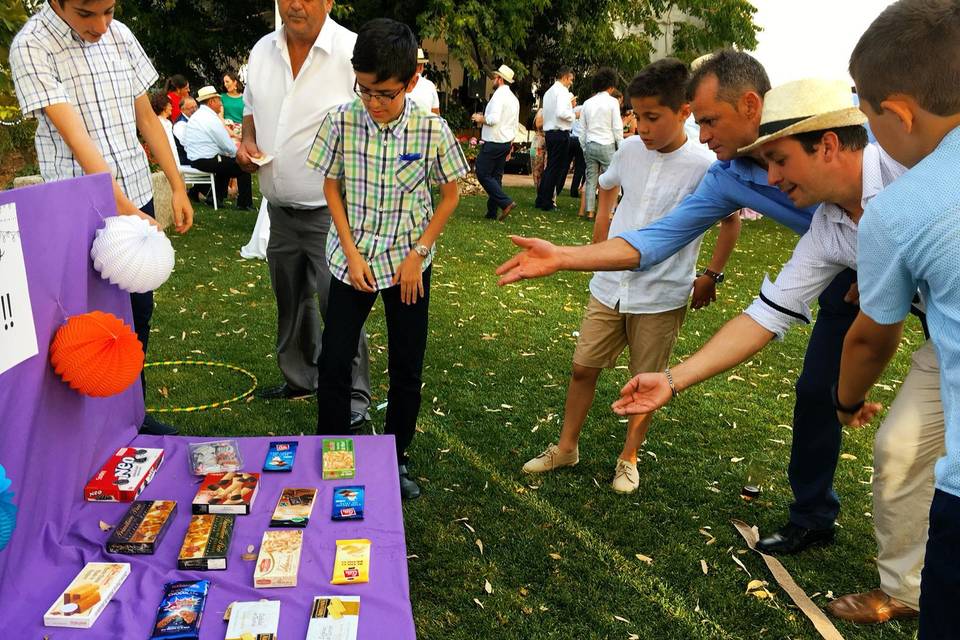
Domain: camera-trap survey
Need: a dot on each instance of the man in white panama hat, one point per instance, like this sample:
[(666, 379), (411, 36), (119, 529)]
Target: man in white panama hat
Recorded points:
[(500, 121), (425, 92)]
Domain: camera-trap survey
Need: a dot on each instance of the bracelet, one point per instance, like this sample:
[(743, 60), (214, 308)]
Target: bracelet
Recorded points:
[(673, 387), (844, 409)]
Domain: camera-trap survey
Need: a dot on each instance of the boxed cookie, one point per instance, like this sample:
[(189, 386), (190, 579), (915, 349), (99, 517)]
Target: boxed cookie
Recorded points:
[(231, 492), (338, 458), (206, 543), (279, 559), (254, 620), (293, 508), (82, 602), (142, 527), (124, 475), (180, 611)]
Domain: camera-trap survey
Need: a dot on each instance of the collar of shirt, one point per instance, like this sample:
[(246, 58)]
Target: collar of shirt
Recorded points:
[(59, 26), (747, 169), (395, 127), (871, 185), (324, 40)]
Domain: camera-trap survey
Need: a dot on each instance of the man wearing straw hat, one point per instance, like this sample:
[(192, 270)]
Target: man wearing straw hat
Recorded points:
[(500, 121), (424, 92)]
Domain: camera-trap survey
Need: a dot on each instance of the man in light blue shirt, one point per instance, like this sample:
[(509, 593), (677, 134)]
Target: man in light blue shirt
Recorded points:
[(726, 98)]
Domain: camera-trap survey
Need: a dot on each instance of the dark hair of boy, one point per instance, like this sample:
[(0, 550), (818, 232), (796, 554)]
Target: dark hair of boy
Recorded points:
[(852, 138), (913, 48), (737, 72), (387, 49), (563, 72), (159, 101), (666, 79), (605, 78), (176, 82)]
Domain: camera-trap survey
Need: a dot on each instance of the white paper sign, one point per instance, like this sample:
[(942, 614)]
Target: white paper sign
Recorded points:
[(18, 338)]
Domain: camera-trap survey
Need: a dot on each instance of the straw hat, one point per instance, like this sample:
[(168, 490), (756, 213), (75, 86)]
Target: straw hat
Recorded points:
[(505, 72), (806, 105), (422, 57), (206, 93)]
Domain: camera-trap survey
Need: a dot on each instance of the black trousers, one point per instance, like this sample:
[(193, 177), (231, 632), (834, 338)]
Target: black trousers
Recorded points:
[(406, 345), (940, 580), (223, 168), (142, 306), (575, 153), (489, 166), (554, 173)]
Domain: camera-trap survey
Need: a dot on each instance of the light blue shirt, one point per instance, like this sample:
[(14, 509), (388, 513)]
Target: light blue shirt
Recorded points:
[(727, 187), (909, 239), (206, 136)]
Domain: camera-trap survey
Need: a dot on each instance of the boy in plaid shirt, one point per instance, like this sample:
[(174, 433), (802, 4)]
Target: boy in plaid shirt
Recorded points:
[(381, 154)]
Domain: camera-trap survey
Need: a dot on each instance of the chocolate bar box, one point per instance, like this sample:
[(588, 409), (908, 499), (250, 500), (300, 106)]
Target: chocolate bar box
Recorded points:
[(207, 543), (232, 492), (142, 528)]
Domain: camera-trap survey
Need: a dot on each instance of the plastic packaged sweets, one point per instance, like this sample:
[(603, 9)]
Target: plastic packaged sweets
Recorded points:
[(82, 602), (231, 492), (348, 503), (338, 458), (294, 508), (352, 563), (217, 456), (280, 456), (181, 610), (279, 559), (334, 618), (257, 620), (124, 475), (142, 527)]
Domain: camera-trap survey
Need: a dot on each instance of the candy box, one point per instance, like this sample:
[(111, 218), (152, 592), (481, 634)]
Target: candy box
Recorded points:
[(124, 475), (348, 503), (180, 611), (231, 492), (293, 508), (142, 527), (280, 456), (82, 602), (216, 456), (206, 543), (352, 563), (257, 620), (334, 618), (279, 559), (338, 458)]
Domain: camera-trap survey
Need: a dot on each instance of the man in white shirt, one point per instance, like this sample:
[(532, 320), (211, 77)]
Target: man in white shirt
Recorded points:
[(558, 117), (500, 121), (602, 132), (210, 148), (295, 76), (425, 92)]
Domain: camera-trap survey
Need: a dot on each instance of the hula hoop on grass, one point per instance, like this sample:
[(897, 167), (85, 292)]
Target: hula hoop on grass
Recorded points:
[(197, 363)]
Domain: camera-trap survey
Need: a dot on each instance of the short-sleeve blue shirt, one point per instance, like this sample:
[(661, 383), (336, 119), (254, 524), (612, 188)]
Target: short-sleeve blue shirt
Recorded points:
[(909, 239)]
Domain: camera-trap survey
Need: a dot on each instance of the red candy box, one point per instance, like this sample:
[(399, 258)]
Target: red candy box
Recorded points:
[(124, 475)]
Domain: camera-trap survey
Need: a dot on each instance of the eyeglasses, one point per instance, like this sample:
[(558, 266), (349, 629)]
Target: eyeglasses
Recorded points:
[(369, 96)]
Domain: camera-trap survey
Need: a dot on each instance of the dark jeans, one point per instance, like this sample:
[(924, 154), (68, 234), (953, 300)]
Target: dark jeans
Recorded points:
[(223, 168), (489, 166), (142, 306), (554, 173), (816, 431), (940, 580), (406, 344), (575, 154)]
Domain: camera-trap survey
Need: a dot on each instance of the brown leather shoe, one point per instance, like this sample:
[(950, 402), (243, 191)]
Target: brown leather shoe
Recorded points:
[(871, 607)]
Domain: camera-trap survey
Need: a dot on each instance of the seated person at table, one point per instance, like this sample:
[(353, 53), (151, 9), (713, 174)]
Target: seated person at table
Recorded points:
[(210, 148), (162, 107)]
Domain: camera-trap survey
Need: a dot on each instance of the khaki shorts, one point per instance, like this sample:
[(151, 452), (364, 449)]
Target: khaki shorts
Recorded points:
[(604, 332)]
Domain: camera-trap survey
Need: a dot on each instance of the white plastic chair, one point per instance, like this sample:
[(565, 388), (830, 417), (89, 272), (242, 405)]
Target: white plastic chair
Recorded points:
[(193, 176)]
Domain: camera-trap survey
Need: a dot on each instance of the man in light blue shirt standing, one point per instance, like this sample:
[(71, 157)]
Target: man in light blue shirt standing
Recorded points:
[(209, 148)]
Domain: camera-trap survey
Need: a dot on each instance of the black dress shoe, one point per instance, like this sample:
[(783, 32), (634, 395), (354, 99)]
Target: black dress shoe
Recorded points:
[(357, 421), (153, 427), (409, 490), (283, 392), (792, 538)]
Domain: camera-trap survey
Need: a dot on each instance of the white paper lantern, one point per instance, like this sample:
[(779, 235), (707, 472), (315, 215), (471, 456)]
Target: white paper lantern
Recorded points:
[(132, 254)]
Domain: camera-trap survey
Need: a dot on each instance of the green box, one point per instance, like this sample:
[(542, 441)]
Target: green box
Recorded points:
[(338, 459)]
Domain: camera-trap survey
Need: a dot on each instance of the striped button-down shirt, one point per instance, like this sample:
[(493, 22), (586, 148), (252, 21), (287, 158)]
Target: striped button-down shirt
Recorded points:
[(387, 171), (52, 65)]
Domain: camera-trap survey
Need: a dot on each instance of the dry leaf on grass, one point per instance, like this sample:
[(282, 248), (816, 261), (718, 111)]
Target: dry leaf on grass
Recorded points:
[(479, 604), (487, 586), (703, 566), (479, 544), (643, 558), (740, 564), (556, 556), (848, 456), (621, 619)]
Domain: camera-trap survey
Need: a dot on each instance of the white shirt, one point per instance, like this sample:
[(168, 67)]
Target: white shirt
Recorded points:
[(168, 129), (206, 136), (501, 117), (576, 130), (180, 128), (602, 123), (557, 108), (425, 95), (653, 184), (287, 112), (829, 247)]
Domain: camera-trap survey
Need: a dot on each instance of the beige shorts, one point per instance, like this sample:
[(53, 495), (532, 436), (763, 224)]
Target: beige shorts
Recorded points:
[(604, 332)]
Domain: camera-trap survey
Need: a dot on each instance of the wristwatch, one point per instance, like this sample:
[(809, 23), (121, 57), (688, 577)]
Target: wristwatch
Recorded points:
[(844, 409), (717, 277), (422, 250)]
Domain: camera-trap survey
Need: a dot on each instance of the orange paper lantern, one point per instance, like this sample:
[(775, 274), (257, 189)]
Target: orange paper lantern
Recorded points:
[(97, 354)]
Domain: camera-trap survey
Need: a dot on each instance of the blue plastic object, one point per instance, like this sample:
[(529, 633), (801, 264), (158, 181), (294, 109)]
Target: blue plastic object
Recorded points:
[(8, 510)]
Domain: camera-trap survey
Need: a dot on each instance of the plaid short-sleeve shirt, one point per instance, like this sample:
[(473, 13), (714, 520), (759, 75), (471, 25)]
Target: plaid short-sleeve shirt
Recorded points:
[(51, 65), (387, 171)]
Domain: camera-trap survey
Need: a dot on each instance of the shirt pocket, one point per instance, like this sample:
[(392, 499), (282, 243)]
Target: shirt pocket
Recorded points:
[(411, 174)]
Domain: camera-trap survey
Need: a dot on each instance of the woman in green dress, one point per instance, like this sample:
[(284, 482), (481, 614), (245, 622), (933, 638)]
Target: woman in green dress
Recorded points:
[(233, 98)]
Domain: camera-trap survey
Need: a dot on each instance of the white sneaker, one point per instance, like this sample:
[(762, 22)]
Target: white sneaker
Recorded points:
[(626, 479), (552, 458)]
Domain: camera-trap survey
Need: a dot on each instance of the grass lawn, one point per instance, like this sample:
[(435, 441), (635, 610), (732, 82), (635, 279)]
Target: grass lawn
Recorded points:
[(559, 551)]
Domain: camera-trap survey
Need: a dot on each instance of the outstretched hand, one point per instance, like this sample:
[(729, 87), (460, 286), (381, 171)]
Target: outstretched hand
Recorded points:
[(862, 417), (645, 393), (539, 258)]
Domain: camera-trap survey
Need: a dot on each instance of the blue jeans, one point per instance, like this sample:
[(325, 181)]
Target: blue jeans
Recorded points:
[(940, 581), (816, 430), (598, 158), (489, 167)]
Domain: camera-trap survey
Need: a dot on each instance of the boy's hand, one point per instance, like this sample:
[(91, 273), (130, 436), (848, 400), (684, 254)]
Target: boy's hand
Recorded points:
[(538, 259), (410, 278), (704, 292), (361, 277), (645, 393), (182, 211), (862, 417)]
